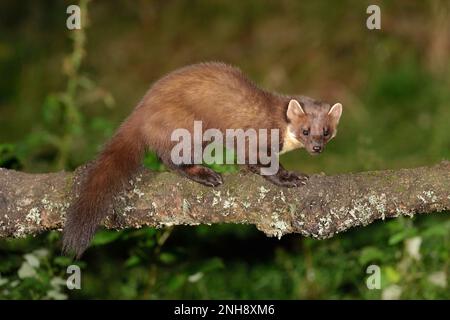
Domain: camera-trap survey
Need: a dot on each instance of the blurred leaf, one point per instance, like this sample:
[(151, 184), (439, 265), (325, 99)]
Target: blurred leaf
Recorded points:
[(177, 281), (102, 125), (370, 255), (63, 261), (86, 83), (212, 265), (400, 236), (167, 257), (52, 110), (152, 162), (132, 261), (392, 275), (26, 271), (437, 230), (104, 237), (32, 260)]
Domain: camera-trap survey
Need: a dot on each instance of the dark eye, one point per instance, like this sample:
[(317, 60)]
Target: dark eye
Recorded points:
[(326, 132), (305, 132)]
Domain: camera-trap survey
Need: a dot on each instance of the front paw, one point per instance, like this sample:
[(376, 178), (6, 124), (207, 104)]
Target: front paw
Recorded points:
[(293, 179), (207, 177), (213, 179)]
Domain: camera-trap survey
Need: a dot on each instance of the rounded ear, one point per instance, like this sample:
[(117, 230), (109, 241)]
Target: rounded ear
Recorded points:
[(294, 110), (335, 112)]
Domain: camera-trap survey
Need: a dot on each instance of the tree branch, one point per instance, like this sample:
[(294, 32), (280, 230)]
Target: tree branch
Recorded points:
[(33, 203)]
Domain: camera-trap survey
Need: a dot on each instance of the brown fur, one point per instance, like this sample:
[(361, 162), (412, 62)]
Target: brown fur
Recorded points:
[(108, 174), (215, 93)]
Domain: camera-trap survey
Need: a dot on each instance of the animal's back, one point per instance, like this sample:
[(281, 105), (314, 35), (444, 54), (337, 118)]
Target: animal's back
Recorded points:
[(217, 94)]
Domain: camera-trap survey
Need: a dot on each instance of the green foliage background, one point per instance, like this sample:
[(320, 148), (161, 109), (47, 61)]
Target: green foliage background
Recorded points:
[(62, 94)]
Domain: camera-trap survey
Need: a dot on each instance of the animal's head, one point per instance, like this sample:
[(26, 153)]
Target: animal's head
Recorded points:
[(313, 123)]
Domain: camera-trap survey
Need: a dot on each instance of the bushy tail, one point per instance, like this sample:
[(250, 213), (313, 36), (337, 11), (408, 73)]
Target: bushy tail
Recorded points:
[(118, 161)]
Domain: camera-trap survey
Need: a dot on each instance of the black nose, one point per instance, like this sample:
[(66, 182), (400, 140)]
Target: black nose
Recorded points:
[(317, 148)]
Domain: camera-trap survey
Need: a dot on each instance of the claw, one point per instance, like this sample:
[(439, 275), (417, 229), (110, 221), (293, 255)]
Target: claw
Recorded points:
[(289, 179)]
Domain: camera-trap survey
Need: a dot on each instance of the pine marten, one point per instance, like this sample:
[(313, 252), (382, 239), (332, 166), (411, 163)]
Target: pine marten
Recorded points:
[(221, 97)]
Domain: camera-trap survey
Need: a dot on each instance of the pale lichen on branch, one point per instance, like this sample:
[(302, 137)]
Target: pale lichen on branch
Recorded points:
[(327, 205)]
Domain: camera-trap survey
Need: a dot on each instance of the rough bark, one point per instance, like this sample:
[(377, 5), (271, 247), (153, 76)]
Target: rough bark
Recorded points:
[(327, 205)]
